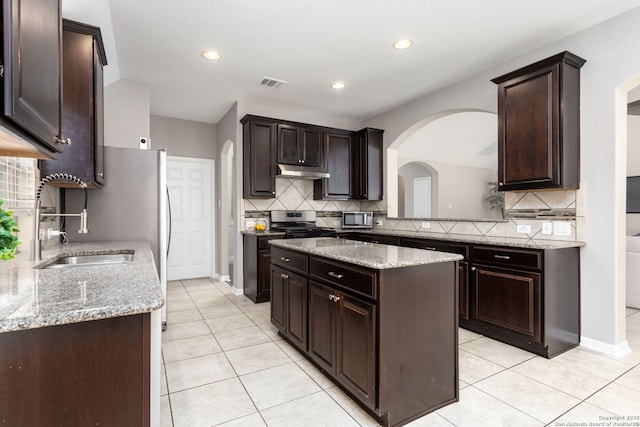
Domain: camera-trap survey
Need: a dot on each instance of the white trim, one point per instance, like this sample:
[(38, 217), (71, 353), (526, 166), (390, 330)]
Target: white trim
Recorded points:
[(237, 291), (212, 224), (617, 350)]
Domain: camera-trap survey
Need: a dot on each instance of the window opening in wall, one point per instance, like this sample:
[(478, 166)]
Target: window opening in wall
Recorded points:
[(17, 182)]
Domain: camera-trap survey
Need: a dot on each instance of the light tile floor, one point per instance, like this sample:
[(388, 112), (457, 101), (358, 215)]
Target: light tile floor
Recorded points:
[(224, 364)]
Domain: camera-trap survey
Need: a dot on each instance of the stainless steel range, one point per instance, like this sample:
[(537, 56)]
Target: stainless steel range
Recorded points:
[(298, 224)]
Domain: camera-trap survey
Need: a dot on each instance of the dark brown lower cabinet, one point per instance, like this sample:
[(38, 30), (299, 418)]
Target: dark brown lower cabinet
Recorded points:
[(80, 374), (509, 299), (387, 337), (342, 338), (289, 305), (256, 253), (529, 298)]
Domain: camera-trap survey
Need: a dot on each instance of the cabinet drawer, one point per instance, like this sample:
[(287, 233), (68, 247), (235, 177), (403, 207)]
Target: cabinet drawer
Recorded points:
[(290, 260), (432, 245), (360, 281), (508, 257)]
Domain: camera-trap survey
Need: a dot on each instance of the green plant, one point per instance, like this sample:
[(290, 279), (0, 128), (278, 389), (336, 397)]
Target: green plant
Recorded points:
[(8, 240)]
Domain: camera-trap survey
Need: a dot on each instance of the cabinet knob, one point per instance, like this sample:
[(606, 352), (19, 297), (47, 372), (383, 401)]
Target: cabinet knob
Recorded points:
[(302, 161), (285, 259), (101, 174), (62, 141), (500, 184), (334, 298), (336, 275), (284, 276), (273, 192), (473, 269)]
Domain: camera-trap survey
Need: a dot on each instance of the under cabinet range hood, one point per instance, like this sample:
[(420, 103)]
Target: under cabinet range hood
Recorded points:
[(302, 172)]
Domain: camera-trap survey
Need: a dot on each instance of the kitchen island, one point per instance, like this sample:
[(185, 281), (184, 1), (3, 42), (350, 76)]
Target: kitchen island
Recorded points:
[(80, 344), (381, 321)]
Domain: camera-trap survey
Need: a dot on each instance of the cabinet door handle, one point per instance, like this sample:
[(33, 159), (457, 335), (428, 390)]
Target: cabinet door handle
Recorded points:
[(336, 298), (429, 248), (284, 276), (336, 275), (101, 175), (502, 256), (473, 269), (285, 259), (62, 141)]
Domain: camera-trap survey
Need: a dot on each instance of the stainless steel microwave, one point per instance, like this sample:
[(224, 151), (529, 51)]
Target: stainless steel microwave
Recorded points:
[(357, 219)]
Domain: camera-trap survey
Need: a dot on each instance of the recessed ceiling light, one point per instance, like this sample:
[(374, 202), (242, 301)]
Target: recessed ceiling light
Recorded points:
[(337, 85), (211, 54), (403, 44)]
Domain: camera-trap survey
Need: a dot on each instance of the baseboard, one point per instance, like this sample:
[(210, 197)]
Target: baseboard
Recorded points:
[(237, 291), (222, 278), (616, 350)]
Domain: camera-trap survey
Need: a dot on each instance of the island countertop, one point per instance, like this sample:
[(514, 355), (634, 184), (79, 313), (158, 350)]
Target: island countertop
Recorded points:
[(371, 255), (36, 297)]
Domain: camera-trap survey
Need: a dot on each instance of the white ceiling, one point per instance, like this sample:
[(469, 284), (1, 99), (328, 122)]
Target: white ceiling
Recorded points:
[(310, 44)]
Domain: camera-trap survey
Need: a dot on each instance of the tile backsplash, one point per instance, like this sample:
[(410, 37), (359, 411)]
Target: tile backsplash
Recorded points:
[(531, 208)]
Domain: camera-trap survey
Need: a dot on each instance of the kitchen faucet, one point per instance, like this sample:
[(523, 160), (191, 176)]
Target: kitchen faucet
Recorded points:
[(36, 241)]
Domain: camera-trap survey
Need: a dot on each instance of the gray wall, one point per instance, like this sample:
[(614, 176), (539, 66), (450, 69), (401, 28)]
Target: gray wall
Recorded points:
[(184, 138), (126, 114), (612, 69)]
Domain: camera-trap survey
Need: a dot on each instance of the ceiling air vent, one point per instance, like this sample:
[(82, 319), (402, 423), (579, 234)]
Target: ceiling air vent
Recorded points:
[(271, 82)]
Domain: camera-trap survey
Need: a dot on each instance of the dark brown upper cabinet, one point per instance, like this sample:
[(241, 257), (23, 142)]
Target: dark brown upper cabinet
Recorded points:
[(539, 125), (338, 148), (353, 159), (367, 170), (83, 59), (259, 136), (31, 79), (300, 145)]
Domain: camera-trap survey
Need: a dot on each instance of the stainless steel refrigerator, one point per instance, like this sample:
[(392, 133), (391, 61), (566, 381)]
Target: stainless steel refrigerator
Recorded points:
[(131, 205)]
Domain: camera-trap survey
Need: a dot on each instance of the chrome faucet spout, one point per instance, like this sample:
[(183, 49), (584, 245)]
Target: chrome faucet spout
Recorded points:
[(36, 241)]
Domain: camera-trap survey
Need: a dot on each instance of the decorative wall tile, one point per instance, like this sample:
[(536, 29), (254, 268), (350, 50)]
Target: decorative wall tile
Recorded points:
[(465, 228), (558, 199)]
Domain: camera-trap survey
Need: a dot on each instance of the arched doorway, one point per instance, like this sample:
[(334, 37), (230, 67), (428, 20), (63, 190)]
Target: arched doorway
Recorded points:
[(227, 213)]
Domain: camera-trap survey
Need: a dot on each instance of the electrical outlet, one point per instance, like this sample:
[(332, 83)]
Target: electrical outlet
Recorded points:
[(378, 222), (523, 229), (425, 224), (562, 229), (145, 143), (547, 228)]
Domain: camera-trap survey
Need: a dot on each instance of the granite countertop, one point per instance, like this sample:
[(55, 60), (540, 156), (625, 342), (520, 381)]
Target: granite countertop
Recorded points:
[(33, 298), (485, 240), (371, 255)]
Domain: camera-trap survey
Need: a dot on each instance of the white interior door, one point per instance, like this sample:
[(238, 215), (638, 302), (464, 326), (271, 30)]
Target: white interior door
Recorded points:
[(190, 183), (422, 197)]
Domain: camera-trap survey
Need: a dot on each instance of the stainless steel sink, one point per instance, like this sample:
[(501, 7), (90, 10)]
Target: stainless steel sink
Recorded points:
[(87, 260)]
